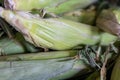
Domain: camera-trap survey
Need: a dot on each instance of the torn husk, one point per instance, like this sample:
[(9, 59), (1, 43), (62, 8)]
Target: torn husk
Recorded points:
[(55, 69), (40, 56), (54, 6), (54, 33)]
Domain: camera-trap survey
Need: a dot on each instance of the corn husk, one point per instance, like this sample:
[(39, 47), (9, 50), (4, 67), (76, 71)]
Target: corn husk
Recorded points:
[(1, 33), (8, 46), (116, 70), (117, 14), (54, 69), (82, 16), (108, 21), (1, 1), (94, 76), (40, 56), (15, 46), (54, 33), (54, 6)]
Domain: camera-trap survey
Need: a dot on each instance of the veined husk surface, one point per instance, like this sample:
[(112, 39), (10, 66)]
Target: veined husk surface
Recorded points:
[(54, 69), (54, 33)]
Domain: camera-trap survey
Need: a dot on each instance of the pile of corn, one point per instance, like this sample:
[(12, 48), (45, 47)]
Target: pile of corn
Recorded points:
[(59, 39)]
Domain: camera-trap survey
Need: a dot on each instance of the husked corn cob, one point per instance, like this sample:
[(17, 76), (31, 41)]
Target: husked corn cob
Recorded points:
[(54, 6), (54, 33)]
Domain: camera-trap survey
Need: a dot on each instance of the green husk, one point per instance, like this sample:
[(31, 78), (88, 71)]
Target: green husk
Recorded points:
[(40, 55), (15, 46), (107, 38), (8, 46), (54, 6), (117, 14), (1, 1), (87, 17), (82, 16), (55, 69), (116, 70), (94, 76), (54, 33)]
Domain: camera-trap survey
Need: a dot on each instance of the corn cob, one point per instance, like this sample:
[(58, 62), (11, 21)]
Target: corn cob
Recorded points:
[(55, 69), (40, 56), (116, 70), (54, 6), (59, 34)]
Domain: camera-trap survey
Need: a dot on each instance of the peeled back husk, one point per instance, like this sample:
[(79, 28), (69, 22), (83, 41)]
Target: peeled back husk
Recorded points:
[(54, 33), (54, 6), (55, 69)]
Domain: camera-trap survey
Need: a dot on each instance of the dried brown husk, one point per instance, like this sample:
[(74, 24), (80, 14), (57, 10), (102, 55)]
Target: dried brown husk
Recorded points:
[(107, 21)]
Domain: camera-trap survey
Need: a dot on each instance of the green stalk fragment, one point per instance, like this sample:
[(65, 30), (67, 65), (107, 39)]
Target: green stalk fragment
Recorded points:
[(116, 70), (41, 69), (53, 33), (40, 56), (54, 6)]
